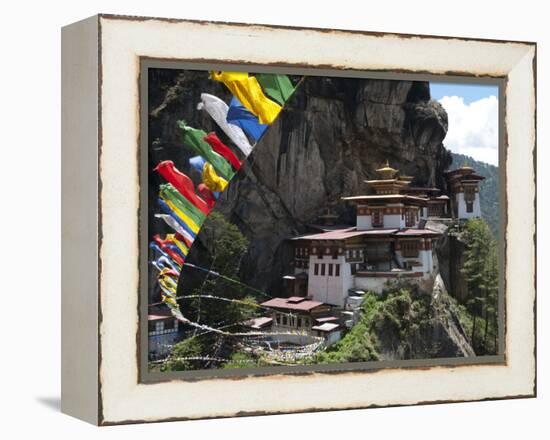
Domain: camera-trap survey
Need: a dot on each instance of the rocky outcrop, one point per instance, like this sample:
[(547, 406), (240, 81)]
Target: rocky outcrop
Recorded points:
[(450, 256), (421, 326)]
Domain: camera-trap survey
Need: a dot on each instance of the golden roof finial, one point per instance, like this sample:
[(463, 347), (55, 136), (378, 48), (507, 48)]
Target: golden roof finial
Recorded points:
[(387, 172)]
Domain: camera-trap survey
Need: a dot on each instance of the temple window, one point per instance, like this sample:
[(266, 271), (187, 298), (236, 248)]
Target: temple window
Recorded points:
[(409, 248), (377, 218), (469, 193), (316, 269), (409, 217), (337, 268)]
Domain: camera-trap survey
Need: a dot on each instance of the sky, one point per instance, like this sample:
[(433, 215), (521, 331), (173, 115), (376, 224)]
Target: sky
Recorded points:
[(473, 119)]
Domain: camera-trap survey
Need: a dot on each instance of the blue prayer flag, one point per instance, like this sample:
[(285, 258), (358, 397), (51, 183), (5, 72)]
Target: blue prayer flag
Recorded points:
[(168, 210), (238, 115), (197, 162)]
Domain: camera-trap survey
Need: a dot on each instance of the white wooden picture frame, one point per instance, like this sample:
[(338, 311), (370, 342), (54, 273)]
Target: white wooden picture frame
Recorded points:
[(101, 59)]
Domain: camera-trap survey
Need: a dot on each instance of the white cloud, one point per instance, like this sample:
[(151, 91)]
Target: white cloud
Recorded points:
[(473, 127)]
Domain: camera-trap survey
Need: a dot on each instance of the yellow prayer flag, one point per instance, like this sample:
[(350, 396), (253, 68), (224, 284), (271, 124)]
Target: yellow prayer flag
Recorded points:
[(211, 179), (166, 285), (248, 91), (188, 220), (169, 300), (179, 244)]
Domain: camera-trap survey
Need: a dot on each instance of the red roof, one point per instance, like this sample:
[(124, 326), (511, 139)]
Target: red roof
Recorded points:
[(326, 327), (397, 197), (344, 234), (380, 231), (414, 231), (284, 303), (326, 228), (259, 323), (327, 319)]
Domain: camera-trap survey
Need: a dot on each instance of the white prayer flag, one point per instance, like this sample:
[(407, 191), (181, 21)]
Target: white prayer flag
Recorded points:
[(170, 221), (217, 109)]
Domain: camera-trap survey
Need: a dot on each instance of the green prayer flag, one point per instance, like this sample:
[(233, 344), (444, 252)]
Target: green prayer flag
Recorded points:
[(278, 87), (168, 192), (193, 138)]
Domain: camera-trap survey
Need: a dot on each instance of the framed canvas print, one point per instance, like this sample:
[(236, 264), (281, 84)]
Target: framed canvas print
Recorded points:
[(335, 219)]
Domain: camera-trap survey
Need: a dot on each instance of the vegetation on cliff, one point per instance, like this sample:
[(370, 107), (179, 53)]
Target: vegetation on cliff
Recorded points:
[(480, 270), (401, 323)]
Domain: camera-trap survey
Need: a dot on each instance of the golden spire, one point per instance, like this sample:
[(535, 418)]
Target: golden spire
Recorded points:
[(387, 172), (465, 165)]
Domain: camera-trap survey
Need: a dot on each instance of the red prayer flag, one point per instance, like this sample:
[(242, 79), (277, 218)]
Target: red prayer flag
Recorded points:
[(187, 242), (207, 194), (223, 150), (164, 246), (182, 183)]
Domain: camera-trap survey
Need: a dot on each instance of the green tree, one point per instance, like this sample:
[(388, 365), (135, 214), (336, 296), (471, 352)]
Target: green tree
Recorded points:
[(182, 352), (217, 301), (226, 246), (480, 270)]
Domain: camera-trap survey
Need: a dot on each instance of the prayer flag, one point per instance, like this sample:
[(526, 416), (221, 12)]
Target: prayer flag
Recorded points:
[(191, 225), (181, 246), (170, 302), (176, 227), (156, 248), (164, 246), (175, 215), (183, 213), (168, 192), (164, 260), (182, 183), (278, 87), (223, 150), (197, 162), (207, 194), (239, 115), (168, 271), (248, 91), (194, 138), (217, 109), (212, 180)]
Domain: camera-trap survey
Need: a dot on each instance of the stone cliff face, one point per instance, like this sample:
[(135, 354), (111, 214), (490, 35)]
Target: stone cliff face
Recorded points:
[(330, 137), (450, 253)]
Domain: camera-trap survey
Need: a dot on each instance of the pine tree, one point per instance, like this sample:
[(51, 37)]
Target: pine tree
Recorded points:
[(481, 273)]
